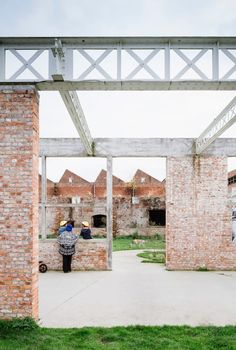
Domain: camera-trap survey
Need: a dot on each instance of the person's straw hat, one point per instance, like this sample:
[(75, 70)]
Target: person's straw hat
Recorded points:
[(62, 223), (85, 223)]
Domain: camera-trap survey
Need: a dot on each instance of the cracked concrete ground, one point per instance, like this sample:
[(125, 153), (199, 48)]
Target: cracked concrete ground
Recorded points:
[(136, 293)]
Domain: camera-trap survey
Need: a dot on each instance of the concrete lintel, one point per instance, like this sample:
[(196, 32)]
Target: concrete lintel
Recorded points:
[(102, 85), (135, 147), (16, 87), (60, 147), (126, 85)]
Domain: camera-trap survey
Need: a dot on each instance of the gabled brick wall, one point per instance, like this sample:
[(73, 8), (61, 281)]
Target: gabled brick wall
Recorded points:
[(128, 217)]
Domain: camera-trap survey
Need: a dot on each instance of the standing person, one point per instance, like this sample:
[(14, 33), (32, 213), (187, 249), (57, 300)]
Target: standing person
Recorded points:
[(67, 240), (62, 227), (85, 231)]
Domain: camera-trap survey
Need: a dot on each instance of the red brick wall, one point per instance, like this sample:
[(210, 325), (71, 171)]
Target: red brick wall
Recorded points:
[(198, 229), (54, 215), (152, 191), (73, 190), (19, 141), (89, 255), (50, 188)]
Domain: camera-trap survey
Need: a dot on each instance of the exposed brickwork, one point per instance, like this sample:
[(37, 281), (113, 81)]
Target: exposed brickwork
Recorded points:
[(50, 188), (89, 255), (198, 229), (55, 214), (127, 219), (19, 141)]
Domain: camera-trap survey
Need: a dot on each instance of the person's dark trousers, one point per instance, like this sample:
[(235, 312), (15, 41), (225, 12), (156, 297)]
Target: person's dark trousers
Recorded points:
[(67, 263)]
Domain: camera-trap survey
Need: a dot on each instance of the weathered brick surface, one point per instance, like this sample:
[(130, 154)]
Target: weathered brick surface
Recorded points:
[(89, 255), (18, 202), (128, 218), (198, 228)]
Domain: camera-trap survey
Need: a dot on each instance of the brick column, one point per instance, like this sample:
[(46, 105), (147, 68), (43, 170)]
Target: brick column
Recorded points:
[(198, 228), (19, 142)]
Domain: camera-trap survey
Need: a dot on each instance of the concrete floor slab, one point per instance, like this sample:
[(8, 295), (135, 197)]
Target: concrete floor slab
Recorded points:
[(136, 293)]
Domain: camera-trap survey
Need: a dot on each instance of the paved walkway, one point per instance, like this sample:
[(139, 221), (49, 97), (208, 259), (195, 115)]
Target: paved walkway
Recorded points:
[(136, 293)]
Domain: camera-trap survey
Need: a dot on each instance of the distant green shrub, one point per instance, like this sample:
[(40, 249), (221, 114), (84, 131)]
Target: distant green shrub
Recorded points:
[(135, 234), (202, 268)]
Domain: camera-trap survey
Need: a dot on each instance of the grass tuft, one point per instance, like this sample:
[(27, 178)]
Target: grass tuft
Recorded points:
[(126, 243), (19, 324), (152, 257)]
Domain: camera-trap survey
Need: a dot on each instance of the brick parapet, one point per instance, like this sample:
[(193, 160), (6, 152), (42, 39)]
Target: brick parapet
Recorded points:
[(19, 142), (89, 255), (198, 227)]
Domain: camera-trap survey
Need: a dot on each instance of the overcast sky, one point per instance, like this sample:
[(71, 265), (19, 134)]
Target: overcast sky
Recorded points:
[(124, 114)]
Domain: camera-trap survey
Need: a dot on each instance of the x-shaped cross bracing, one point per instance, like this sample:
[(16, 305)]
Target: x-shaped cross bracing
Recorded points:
[(233, 59), (26, 64), (95, 64), (143, 64), (190, 64)]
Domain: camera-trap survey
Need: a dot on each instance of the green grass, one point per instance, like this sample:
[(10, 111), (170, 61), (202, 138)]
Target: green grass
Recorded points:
[(13, 336), (126, 243), (152, 257)]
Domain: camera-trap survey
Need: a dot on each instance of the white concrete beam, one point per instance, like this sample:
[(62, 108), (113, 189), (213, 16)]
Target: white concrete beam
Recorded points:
[(135, 147), (137, 85), (75, 110), (221, 123)]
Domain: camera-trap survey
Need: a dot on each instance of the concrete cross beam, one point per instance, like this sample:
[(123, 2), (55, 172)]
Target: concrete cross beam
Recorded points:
[(221, 123), (134, 147), (72, 103)]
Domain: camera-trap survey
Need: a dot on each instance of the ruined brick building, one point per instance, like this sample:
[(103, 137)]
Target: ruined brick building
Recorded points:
[(198, 220), (138, 206)]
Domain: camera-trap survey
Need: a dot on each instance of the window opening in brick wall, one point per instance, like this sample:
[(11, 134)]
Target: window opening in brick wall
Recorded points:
[(99, 221), (232, 180), (157, 217)]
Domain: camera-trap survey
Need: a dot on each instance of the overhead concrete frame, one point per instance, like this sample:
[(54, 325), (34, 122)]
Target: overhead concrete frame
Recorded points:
[(61, 61), (126, 147)]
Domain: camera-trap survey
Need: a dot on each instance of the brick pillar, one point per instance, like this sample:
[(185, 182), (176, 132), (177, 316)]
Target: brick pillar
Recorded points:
[(19, 140), (198, 229)]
